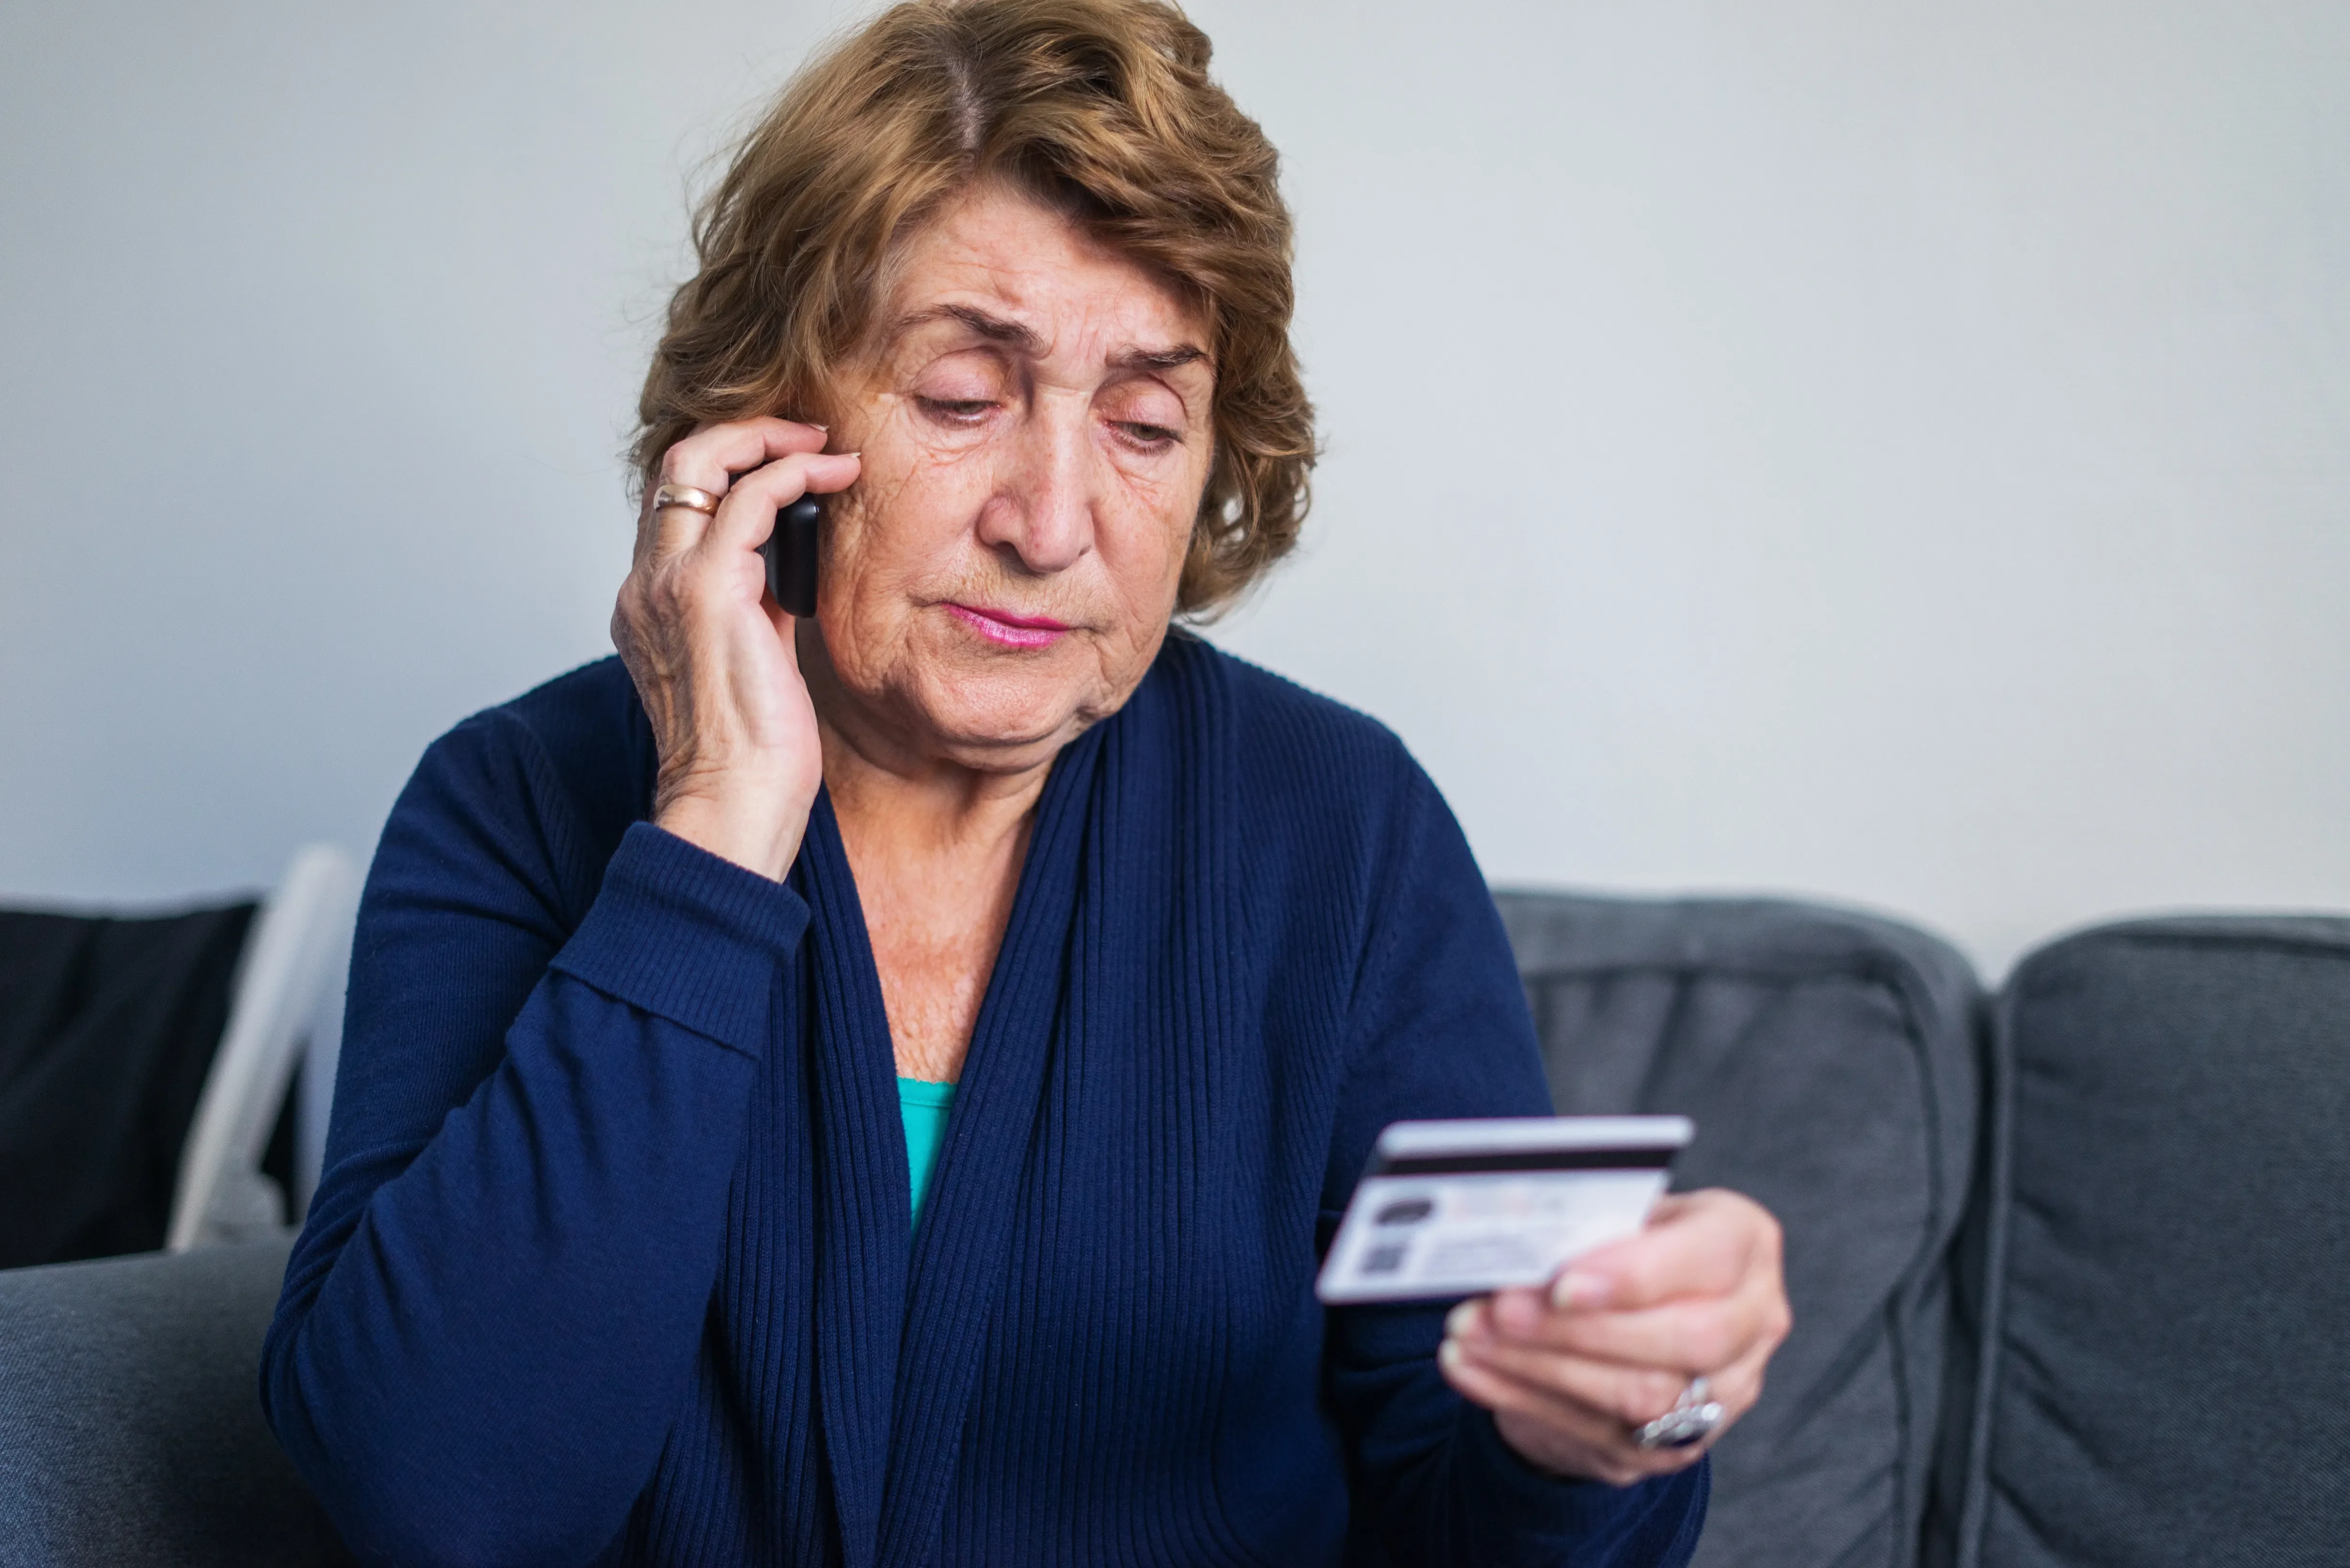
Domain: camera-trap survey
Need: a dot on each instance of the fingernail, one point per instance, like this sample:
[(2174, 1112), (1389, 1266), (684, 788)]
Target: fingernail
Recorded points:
[(1577, 1289), (1451, 1353), (1461, 1319)]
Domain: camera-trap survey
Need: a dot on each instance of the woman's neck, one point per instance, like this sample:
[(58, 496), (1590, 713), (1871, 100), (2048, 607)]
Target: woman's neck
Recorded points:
[(936, 848)]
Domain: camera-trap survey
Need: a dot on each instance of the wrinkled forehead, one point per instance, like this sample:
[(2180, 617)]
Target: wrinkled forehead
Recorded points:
[(1000, 268)]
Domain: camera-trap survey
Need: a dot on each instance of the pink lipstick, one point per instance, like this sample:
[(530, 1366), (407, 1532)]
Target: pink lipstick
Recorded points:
[(1007, 630)]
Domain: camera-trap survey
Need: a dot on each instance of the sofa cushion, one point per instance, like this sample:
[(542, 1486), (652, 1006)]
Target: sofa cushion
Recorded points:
[(108, 1027), (2167, 1284), (1829, 1061), (130, 1417)]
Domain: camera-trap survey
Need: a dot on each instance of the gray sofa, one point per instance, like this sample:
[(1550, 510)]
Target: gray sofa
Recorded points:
[(2071, 1266), (130, 1428)]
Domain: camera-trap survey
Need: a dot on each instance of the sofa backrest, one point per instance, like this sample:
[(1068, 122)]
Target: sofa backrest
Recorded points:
[(1829, 1060), (2162, 1277), (131, 1425)]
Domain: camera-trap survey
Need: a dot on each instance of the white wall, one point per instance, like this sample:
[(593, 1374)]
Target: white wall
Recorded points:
[(1891, 452)]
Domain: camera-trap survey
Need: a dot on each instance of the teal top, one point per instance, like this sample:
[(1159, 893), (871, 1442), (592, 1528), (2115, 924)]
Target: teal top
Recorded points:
[(924, 1107)]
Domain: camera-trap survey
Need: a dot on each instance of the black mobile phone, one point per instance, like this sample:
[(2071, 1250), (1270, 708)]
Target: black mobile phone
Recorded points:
[(791, 557)]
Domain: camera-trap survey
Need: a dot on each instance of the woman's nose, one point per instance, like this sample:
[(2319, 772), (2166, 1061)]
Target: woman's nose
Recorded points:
[(1044, 513)]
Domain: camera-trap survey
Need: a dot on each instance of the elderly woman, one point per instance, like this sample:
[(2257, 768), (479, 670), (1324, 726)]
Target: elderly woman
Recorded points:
[(640, 1240)]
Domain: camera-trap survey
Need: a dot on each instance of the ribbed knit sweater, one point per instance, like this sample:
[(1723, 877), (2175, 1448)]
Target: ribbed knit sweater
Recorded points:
[(611, 1259)]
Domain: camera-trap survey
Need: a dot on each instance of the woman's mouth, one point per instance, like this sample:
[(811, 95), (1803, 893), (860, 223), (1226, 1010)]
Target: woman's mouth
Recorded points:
[(1007, 630)]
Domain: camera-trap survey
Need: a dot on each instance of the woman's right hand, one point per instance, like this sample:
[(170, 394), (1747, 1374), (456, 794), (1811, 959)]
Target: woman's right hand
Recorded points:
[(712, 655)]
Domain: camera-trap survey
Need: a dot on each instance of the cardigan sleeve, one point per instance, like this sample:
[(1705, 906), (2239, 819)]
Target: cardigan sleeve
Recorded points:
[(1439, 1028), (539, 1116)]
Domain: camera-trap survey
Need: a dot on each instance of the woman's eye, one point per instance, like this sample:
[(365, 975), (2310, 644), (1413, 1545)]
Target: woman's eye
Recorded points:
[(956, 411), (1150, 436)]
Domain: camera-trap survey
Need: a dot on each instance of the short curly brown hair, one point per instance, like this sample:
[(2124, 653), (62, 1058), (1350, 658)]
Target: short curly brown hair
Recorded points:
[(1102, 109)]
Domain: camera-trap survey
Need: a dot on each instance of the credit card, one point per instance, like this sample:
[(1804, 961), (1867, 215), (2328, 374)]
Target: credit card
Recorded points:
[(1462, 1208)]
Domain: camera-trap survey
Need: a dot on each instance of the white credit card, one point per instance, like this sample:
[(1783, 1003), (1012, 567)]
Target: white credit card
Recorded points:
[(1462, 1208)]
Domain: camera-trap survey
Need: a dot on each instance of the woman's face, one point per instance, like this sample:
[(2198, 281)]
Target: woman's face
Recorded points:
[(1035, 429)]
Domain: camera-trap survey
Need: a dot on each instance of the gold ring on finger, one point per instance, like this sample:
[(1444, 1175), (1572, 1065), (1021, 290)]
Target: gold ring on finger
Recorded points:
[(687, 496)]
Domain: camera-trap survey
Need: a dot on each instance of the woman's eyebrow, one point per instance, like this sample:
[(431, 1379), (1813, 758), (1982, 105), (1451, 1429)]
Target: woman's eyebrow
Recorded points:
[(1156, 358), (994, 328)]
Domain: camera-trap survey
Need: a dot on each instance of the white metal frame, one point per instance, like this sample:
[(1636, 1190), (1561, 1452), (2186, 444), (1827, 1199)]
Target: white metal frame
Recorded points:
[(288, 997)]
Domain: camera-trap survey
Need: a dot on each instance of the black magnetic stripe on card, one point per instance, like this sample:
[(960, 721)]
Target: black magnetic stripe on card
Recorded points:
[(1508, 1159)]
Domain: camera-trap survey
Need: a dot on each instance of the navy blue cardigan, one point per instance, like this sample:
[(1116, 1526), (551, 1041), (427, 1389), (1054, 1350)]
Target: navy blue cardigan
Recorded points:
[(611, 1263)]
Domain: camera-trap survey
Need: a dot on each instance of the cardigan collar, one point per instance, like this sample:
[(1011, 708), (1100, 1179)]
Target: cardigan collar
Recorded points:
[(898, 1330)]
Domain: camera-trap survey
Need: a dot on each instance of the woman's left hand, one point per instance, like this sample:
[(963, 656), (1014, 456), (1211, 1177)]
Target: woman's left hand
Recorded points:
[(1572, 1372)]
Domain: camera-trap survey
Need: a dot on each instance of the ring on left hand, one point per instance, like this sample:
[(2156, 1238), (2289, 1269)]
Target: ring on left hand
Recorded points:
[(1692, 1419), (687, 496)]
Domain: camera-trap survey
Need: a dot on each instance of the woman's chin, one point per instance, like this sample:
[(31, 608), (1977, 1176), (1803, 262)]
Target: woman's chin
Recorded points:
[(995, 718)]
